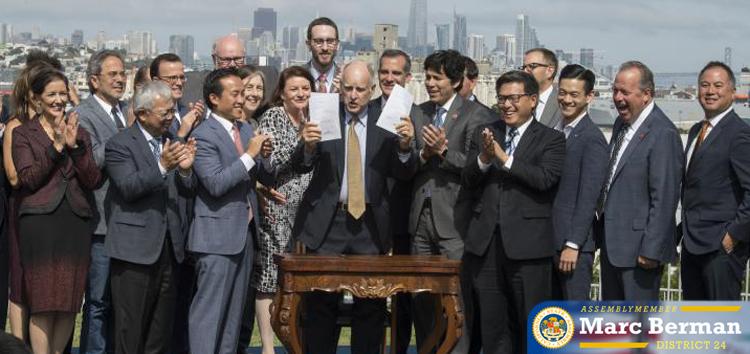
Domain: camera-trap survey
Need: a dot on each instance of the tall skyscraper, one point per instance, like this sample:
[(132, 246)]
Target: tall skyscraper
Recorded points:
[(141, 43), (244, 34), (385, 37), (587, 58), (443, 36), (265, 19), (417, 33), (183, 46), (459, 33), (76, 38), (728, 56), (475, 48), (289, 40), (523, 38), (5, 35)]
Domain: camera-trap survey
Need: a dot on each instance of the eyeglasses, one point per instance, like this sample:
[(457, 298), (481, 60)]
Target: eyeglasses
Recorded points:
[(512, 98), (168, 114), (227, 61), (319, 42), (174, 78), (533, 66)]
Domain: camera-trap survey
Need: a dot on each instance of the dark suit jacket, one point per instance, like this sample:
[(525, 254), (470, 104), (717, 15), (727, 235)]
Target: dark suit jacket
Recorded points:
[(716, 188), (144, 205), (318, 205), (583, 174), (639, 215), (519, 199), (443, 176), (46, 175)]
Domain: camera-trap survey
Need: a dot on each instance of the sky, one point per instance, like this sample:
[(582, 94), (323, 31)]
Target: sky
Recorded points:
[(667, 35)]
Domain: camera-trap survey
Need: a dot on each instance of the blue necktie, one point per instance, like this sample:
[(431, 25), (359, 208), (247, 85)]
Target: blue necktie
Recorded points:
[(156, 148), (439, 120), (508, 146)]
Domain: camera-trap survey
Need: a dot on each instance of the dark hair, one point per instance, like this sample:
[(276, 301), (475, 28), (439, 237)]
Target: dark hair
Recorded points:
[(548, 56), (448, 61), (20, 98), (720, 65), (12, 345), (578, 72), (321, 21), (142, 76), (471, 72), (95, 64), (44, 77), (530, 86), (395, 53), (212, 84), (288, 73), (166, 57), (38, 56), (647, 77)]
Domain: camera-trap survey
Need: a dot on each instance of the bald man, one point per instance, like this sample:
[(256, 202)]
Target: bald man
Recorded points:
[(227, 51), (346, 204)]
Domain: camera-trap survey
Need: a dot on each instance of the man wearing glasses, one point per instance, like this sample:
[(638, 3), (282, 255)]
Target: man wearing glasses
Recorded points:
[(102, 114), (226, 52), (169, 69), (512, 170), (541, 63), (323, 42)]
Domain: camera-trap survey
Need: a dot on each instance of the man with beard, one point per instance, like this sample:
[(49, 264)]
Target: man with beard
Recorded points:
[(323, 42)]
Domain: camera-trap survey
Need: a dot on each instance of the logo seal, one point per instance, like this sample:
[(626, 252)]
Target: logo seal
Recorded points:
[(553, 327)]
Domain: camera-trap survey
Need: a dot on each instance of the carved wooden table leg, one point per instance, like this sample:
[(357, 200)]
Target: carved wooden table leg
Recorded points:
[(455, 317), (285, 320)]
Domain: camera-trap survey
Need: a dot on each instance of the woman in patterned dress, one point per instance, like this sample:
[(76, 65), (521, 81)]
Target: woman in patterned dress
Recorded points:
[(283, 122)]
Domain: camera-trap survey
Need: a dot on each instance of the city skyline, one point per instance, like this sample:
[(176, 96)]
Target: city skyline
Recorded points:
[(669, 36)]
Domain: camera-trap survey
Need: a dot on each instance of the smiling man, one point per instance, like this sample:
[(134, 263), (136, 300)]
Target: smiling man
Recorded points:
[(168, 68), (582, 176), (511, 174), (444, 127), (637, 203), (102, 114), (716, 193), (323, 42)]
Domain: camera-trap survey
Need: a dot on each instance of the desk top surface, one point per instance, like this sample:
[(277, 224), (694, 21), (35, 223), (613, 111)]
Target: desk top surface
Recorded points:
[(367, 264)]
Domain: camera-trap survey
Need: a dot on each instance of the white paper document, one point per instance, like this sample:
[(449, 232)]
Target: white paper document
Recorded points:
[(324, 110), (397, 106)]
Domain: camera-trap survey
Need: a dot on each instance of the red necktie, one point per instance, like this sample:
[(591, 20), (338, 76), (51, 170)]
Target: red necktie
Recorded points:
[(322, 83)]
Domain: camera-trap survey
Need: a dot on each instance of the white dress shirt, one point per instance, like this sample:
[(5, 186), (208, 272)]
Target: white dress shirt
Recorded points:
[(566, 129), (509, 162), (330, 75), (108, 108), (247, 160), (629, 135), (447, 107), (711, 124), (149, 137)]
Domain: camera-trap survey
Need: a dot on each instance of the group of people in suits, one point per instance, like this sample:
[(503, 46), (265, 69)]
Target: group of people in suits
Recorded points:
[(175, 213)]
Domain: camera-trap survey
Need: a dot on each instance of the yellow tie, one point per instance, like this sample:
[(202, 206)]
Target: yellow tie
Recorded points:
[(356, 190)]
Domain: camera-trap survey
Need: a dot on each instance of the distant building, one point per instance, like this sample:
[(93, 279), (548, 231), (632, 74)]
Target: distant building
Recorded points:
[(587, 58), (141, 44), (184, 47), (443, 33), (475, 47), (459, 33), (728, 56), (289, 39), (244, 34), (6, 33), (265, 20), (76, 39), (417, 31), (526, 38), (385, 37)]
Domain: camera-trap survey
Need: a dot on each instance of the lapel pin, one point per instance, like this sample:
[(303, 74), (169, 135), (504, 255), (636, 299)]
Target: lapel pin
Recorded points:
[(642, 136), (454, 116)]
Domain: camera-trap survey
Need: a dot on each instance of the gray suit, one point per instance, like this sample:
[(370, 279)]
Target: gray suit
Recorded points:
[(434, 218), (101, 127), (551, 115), (639, 214), (96, 336), (222, 236)]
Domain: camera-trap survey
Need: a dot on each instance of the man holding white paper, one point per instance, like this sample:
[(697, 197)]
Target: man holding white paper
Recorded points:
[(345, 207), (445, 125)]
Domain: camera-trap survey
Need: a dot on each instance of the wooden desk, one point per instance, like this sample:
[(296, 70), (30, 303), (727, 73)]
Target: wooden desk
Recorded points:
[(367, 277)]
